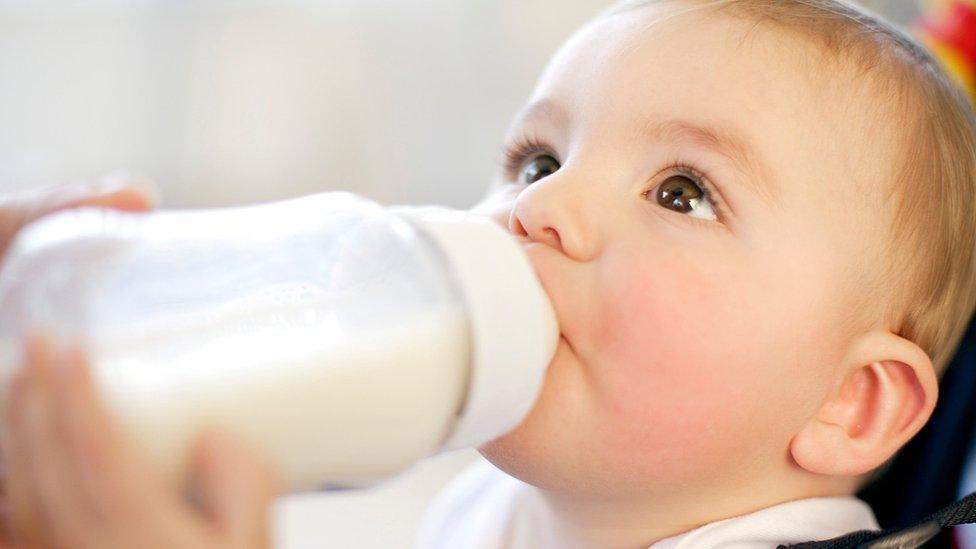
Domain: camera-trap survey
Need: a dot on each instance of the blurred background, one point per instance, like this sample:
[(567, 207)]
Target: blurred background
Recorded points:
[(238, 101)]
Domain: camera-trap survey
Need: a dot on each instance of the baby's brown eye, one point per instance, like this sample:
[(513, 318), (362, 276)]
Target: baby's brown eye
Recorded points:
[(678, 193), (537, 168)]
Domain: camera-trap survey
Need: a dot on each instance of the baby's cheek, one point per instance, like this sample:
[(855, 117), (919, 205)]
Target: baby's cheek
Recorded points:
[(680, 362)]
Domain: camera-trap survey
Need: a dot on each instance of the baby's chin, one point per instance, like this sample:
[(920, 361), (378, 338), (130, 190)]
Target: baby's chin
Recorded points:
[(537, 453), (543, 462), (515, 454), (544, 449)]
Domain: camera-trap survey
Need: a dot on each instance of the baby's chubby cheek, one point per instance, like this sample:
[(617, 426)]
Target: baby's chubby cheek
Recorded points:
[(683, 360)]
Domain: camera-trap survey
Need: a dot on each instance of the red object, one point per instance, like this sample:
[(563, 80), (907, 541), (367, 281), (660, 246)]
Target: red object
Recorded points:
[(957, 29)]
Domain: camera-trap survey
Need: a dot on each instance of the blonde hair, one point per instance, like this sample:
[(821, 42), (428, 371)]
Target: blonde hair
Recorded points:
[(931, 255)]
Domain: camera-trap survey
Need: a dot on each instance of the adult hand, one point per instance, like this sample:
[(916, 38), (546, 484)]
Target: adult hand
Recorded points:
[(118, 191), (75, 480)]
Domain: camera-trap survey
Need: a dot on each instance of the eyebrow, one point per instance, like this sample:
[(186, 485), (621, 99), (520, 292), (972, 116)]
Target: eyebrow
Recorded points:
[(727, 142), (730, 144)]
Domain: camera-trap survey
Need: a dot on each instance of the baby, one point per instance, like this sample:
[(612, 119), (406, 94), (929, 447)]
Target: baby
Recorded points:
[(755, 220)]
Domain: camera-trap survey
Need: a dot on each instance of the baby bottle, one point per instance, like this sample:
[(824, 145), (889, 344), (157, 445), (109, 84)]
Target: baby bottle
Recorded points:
[(342, 339)]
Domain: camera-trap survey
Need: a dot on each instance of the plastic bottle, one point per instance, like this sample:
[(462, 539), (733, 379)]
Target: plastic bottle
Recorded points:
[(344, 340)]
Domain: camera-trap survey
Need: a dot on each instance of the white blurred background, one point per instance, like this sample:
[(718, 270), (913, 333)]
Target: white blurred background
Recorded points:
[(238, 101)]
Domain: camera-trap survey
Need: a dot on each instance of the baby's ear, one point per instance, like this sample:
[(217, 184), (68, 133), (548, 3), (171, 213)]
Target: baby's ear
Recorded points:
[(886, 394)]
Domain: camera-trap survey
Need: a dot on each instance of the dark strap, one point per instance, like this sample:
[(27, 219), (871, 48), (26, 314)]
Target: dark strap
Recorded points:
[(960, 512)]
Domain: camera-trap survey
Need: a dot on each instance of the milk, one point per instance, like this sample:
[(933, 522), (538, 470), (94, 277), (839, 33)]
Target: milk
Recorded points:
[(296, 391)]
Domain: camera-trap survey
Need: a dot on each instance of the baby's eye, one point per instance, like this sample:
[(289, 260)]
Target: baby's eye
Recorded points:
[(682, 194), (536, 168)]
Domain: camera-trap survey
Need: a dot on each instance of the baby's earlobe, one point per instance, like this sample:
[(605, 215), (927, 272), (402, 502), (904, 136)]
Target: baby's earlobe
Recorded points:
[(878, 407)]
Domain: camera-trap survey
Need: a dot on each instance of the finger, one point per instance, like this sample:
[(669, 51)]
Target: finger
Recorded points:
[(105, 467), (236, 488), (24, 521), (7, 536), (123, 192), (120, 192), (5, 515), (53, 480), (122, 487), (129, 502)]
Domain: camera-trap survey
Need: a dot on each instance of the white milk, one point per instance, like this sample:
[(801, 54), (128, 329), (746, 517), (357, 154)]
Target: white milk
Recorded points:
[(325, 408)]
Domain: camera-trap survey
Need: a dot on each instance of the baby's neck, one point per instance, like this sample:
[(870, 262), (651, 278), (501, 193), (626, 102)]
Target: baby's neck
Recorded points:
[(574, 522), (577, 521)]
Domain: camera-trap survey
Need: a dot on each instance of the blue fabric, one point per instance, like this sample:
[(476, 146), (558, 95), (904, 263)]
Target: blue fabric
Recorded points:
[(928, 473)]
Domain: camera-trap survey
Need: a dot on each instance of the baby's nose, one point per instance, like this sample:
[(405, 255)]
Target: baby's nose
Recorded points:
[(559, 220)]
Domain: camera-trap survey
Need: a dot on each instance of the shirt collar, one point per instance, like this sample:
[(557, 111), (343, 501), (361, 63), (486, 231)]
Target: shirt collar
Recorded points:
[(791, 522)]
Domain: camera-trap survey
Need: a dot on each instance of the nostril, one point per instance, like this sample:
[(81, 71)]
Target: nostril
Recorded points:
[(517, 228), (553, 235), (547, 235)]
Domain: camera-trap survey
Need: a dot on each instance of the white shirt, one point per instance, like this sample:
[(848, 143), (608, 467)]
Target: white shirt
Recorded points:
[(484, 508)]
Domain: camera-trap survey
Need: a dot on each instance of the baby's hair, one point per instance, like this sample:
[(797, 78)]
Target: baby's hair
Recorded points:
[(931, 256)]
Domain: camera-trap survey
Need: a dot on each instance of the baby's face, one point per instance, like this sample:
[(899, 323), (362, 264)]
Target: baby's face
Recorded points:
[(702, 201)]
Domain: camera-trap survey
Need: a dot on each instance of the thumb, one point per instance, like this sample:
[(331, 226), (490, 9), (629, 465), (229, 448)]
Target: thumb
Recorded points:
[(235, 487), (120, 191)]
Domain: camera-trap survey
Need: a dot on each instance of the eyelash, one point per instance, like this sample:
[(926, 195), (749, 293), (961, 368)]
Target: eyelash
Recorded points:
[(518, 152), (522, 148)]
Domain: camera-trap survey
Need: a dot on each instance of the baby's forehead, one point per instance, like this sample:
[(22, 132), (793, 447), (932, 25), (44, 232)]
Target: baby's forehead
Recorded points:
[(766, 88), (734, 50)]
